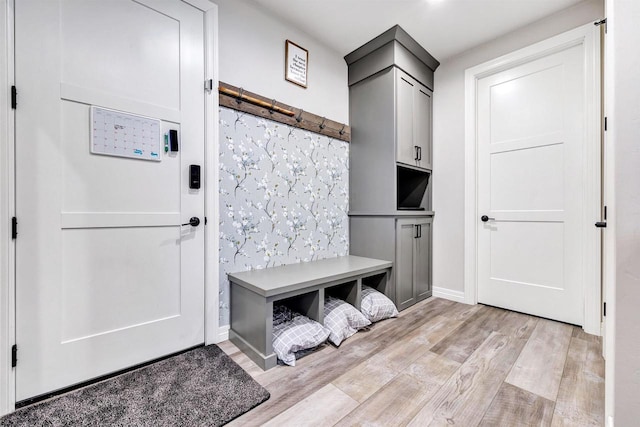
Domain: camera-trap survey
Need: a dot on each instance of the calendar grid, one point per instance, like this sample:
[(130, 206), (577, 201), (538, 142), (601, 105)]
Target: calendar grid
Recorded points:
[(116, 133)]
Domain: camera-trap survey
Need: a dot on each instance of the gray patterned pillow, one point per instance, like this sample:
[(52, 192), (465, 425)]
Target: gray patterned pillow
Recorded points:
[(342, 319), (376, 306), (293, 332)]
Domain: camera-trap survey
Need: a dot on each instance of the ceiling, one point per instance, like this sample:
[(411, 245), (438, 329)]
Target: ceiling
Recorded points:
[(443, 27)]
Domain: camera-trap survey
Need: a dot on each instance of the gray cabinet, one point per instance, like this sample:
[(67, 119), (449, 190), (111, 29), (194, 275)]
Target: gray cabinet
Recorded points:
[(390, 151), (413, 121), (413, 261), (406, 241), (390, 108)]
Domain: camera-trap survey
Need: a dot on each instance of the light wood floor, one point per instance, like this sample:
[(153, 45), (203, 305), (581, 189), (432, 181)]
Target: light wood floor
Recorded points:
[(440, 363)]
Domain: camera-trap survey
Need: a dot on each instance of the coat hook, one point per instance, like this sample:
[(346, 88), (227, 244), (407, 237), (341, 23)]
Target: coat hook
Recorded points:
[(273, 104), (239, 98), (322, 125), (342, 130), (299, 116)]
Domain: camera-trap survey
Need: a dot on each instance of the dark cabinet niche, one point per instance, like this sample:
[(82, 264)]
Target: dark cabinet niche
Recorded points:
[(412, 189)]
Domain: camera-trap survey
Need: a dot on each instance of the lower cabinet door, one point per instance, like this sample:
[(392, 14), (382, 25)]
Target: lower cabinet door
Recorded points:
[(422, 259), (406, 233)]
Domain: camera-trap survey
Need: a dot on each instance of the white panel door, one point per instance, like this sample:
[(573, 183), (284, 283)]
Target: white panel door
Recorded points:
[(530, 186), (106, 276)]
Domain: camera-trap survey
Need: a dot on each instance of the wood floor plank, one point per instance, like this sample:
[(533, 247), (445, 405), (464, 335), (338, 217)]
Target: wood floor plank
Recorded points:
[(325, 407), (513, 406), (432, 368), (281, 372), (368, 377), (517, 324), (413, 345), (580, 399), (228, 347), (578, 332), (465, 397), (471, 334), (393, 405), (459, 311), (540, 365)]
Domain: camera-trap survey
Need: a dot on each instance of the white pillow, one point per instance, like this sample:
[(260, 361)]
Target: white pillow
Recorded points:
[(376, 306), (293, 332), (342, 319)]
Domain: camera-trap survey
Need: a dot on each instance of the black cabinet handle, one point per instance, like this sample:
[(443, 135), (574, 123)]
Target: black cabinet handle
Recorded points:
[(419, 231), (417, 235), (601, 224), (419, 153), (194, 221)]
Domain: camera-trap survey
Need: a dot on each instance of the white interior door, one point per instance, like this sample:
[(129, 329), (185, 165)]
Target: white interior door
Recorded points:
[(531, 183), (106, 276)]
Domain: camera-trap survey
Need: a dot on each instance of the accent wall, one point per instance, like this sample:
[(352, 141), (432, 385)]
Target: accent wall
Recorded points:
[(284, 196)]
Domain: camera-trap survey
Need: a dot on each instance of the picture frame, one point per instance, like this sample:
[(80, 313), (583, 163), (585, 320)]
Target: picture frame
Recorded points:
[(296, 63)]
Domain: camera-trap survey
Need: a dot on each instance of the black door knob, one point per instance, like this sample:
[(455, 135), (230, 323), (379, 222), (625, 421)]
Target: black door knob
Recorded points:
[(194, 221), (484, 218)]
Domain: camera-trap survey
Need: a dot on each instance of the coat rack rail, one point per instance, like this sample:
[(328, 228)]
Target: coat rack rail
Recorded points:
[(240, 96), (243, 100)]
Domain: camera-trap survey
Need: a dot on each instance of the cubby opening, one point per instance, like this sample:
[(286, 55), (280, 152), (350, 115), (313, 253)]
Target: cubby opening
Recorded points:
[(345, 291), (412, 189), (377, 282), (307, 304)]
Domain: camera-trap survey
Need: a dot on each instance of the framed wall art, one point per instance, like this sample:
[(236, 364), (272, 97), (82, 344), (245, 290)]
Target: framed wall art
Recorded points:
[(296, 64)]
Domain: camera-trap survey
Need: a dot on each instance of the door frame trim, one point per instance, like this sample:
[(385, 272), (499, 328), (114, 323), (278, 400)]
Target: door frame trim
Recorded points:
[(7, 210), (588, 37), (211, 171)]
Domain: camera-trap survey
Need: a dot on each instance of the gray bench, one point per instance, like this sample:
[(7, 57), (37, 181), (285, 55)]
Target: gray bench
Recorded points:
[(302, 287)]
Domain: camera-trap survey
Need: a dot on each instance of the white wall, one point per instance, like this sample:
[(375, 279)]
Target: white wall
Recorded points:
[(624, 123), (448, 134), (252, 56)]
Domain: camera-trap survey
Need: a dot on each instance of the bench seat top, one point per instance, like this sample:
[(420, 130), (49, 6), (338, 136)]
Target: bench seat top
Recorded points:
[(274, 281)]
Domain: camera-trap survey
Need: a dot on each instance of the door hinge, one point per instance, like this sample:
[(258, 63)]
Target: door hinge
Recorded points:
[(14, 98), (602, 22), (208, 85), (205, 220), (605, 124), (14, 228), (14, 356), (604, 309), (605, 213)]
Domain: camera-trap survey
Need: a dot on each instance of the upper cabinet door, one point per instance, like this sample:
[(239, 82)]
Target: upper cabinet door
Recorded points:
[(422, 117), (413, 122), (407, 151)]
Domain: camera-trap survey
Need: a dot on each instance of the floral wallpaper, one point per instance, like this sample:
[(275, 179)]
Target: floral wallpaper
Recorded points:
[(284, 196)]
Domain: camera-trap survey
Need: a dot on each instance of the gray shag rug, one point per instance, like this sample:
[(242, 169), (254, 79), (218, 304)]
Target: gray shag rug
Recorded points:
[(202, 387)]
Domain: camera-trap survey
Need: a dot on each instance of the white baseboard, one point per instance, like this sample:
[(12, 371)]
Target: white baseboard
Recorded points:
[(449, 294), (223, 333)]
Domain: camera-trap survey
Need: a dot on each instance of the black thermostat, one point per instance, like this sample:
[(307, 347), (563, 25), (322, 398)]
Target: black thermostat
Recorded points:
[(173, 139)]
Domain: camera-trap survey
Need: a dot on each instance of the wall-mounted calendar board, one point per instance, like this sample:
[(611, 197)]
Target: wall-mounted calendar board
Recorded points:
[(115, 133)]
